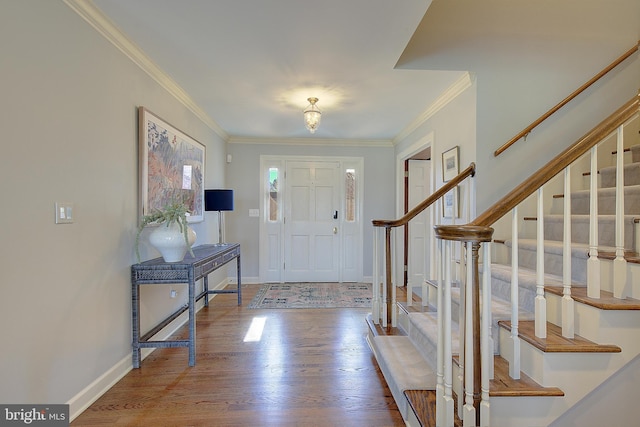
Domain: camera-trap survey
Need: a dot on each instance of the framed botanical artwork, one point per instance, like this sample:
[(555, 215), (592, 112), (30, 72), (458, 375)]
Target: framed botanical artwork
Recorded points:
[(450, 205), (171, 167), (450, 164)]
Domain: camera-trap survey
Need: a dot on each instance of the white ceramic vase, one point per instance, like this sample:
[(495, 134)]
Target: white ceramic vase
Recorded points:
[(169, 241)]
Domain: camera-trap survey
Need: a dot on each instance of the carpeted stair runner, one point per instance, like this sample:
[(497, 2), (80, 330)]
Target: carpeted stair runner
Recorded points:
[(401, 357), (403, 368)]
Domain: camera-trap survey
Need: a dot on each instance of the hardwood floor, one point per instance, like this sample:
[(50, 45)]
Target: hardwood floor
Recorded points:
[(311, 367)]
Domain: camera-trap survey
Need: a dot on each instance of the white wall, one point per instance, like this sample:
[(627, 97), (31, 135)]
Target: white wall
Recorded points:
[(244, 173), (69, 132)]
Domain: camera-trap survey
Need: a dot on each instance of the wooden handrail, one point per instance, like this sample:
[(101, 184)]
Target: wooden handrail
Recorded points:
[(390, 223), (558, 164), (565, 101)]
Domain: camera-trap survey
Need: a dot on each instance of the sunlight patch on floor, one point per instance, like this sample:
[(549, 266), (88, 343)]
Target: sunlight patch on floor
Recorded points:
[(254, 334)]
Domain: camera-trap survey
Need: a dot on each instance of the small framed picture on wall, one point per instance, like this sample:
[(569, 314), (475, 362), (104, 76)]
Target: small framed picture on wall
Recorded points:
[(450, 205), (450, 164)]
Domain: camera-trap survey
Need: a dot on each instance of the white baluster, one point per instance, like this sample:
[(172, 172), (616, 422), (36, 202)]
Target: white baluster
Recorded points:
[(440, 407), (485, 335), (540, 302), (568, 326), (469, 412), (375, 303), (433, 251), (462, 344), (472, 197), (385, 297), (620, 263), (391, 299), (448, 363), (593, 264), (514, 366)]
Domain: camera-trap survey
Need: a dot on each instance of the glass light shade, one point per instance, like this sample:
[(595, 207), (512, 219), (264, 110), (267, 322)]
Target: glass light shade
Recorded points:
[(312, 115)]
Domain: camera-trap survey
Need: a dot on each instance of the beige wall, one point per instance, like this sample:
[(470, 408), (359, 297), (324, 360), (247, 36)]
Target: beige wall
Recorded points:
[(513, 95), (69, 133)]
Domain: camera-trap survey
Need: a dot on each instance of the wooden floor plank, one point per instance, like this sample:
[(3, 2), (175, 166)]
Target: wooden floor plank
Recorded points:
[(310, 367)]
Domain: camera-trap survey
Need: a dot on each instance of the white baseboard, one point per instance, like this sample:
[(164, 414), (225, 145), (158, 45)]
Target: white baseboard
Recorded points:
[(81, 401), (245, 280)]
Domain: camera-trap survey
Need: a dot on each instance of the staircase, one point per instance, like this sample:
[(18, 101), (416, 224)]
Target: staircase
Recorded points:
[(571, 344)]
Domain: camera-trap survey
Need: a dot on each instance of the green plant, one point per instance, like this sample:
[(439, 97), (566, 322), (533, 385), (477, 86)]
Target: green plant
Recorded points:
[(174, 212)]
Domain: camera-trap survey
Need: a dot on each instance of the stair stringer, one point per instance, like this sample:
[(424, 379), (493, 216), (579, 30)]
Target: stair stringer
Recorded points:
[(578, 374)]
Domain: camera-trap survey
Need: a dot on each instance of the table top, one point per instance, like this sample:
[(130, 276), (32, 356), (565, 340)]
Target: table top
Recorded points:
[(200, 252)]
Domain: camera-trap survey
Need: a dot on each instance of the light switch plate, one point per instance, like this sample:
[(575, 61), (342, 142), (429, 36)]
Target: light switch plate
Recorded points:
[(64, 213), (254, 212)]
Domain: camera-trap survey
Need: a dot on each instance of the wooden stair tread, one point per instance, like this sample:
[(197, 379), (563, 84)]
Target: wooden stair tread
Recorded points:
[(423, 405), (415, 307), (379, 330), (423, 402), (606, 301), (632, 257), (503, 385), (555, 342)]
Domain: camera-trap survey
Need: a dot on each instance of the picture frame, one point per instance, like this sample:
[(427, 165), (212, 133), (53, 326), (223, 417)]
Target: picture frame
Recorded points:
[(171, 167), (450, 205), (450, 164)]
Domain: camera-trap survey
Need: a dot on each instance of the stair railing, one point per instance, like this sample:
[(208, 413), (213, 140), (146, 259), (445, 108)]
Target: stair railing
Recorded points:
[(526, 131), (384, 296), (476, 237)]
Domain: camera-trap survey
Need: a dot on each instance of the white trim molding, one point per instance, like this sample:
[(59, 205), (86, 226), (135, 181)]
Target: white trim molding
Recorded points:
[(313, 141), (90, 13), (464, 82)]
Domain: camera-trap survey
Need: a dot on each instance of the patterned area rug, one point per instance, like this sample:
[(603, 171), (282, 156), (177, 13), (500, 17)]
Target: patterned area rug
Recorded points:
[(313, 295)]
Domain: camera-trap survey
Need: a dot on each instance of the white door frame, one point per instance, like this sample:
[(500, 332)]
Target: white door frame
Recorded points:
[(271, 239), (416, 147), (418, 188)]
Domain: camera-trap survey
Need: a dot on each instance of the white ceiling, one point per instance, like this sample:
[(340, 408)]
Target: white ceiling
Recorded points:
[(378, 67), (251, 65)]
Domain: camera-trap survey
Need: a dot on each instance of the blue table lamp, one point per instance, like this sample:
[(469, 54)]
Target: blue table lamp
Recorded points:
[(219, 200)]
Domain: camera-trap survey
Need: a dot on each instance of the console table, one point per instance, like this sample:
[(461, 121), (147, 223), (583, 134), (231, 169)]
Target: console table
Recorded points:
[(207, 259)]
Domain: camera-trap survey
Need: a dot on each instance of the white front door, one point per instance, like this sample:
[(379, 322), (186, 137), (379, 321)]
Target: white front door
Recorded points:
[(311, 221)]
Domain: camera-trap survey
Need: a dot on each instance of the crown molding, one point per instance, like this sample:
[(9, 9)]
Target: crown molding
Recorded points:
[(90, 13), (464, 82), (313, 141)]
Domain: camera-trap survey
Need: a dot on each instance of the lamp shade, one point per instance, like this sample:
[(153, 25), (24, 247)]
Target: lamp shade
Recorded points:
[(218, 200)]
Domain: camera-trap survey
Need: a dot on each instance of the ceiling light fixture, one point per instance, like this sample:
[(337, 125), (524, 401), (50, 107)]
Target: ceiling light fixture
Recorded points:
[(312, 115)]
